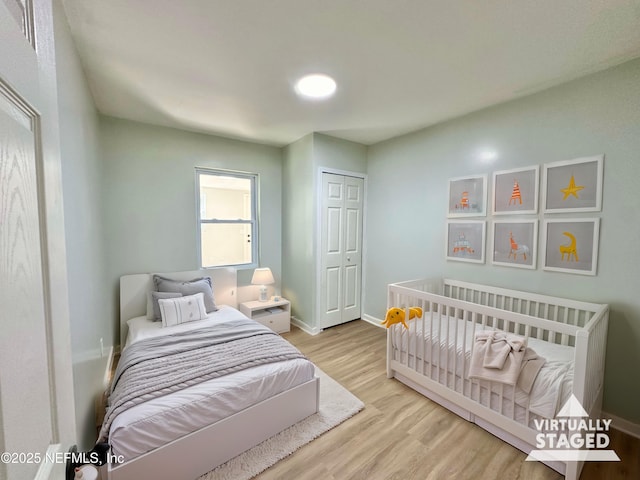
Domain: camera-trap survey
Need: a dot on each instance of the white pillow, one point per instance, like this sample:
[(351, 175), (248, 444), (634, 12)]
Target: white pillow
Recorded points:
[(175, 311)]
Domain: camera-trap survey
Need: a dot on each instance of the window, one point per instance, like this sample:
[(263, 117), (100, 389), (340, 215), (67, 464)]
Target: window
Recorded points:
[(227, 225)]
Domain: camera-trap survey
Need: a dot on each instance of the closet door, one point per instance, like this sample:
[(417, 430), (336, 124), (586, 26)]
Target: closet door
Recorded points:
[(341, 249)]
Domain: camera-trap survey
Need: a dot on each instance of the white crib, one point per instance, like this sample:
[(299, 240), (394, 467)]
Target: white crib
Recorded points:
[(419, 357)]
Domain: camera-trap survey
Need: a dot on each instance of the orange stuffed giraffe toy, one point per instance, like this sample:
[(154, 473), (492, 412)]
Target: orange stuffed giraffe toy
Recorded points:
[(397, 315)]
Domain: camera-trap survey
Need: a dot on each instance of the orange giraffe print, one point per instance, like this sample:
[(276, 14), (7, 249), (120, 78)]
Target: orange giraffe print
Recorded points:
[(516, 196)]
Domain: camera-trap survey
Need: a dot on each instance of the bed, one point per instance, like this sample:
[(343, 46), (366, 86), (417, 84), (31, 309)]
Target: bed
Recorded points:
[(434, 354), (187, 430)]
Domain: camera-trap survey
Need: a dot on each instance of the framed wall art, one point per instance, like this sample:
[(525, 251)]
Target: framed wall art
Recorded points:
[(571, 245), (516, 191), (468, 196), (515, 243), (573, 185), (466, 240)]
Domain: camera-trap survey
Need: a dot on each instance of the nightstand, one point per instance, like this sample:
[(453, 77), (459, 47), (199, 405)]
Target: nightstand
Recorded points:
[(272, 314)]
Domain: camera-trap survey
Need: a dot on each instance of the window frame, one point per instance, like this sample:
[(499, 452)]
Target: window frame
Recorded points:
[(253, 221)]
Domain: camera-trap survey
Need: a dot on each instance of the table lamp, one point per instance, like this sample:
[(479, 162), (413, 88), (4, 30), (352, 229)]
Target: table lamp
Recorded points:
[(262, 277)]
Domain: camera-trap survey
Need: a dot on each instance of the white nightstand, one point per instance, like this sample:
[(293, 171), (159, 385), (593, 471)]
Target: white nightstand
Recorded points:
[(275, 315)]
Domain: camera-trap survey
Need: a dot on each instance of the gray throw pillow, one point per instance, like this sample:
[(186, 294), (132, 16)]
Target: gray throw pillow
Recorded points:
[(202, 285), (155, 296)]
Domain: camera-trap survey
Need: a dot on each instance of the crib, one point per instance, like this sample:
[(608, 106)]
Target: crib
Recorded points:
[(433, 355)]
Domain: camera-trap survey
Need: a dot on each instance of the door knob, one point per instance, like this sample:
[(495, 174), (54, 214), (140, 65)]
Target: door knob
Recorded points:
[(348, 259)]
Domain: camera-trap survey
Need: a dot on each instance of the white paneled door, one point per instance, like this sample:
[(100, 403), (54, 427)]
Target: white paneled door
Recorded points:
[(35, 378), (341, 249)]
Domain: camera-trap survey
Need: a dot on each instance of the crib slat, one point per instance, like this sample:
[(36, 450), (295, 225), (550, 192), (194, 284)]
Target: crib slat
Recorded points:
[(430, 345), (425, 308), (565, 319), (455, 350), (446, 358), (464, 351), (539, 332), (439, 343)]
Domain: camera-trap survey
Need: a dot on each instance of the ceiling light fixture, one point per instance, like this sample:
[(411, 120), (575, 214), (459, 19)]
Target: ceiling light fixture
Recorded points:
[(315, 86)]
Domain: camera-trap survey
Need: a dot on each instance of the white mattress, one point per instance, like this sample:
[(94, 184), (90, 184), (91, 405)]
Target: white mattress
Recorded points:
[(441, 352), (159, 421)]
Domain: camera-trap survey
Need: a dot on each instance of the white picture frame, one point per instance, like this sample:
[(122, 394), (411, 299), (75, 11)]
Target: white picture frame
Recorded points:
[(515, 243), (573, 186), (467, 196), (516, 191), (571, 245), (465, 240)]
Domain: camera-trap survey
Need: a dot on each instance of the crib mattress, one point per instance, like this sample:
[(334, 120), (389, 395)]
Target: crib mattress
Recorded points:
[(157, 422), (444, 354)]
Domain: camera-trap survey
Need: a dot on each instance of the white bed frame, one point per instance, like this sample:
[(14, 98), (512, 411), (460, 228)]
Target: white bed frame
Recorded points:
[(580, 325), (201, 451)]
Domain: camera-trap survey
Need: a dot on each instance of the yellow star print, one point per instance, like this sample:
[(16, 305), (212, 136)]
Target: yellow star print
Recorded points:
[(572, 189)]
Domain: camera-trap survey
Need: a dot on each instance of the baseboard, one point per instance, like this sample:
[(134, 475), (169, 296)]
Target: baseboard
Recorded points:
[(623, 425), (372, 320), (304, 327)]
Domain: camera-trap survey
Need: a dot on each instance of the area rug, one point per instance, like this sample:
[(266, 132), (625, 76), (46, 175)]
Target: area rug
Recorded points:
[(336, 405)]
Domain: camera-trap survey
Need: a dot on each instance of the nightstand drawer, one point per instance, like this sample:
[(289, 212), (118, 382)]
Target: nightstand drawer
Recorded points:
[(278, 322), (275, 314)]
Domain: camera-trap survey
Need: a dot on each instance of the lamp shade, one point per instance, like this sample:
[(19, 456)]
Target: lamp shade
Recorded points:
[(262, 276)]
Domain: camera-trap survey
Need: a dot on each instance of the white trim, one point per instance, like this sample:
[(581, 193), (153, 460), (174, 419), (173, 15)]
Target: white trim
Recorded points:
[(254, 178), (623, 425), (48, 469), (304, 327), (372, 320), (317, 245)]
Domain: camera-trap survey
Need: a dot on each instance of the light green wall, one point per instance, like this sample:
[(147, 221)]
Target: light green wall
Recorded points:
[(90, 313), (298, 255), (150, 200), (335, 153), (408, 190), (302, 162)]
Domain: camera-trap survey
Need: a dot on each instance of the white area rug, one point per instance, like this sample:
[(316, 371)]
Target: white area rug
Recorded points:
[(336, 405)]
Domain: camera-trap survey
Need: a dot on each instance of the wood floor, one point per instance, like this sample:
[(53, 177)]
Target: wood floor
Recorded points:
[(402, 435)]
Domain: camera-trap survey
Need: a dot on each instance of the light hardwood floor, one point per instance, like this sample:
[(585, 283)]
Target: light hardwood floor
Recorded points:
[(402, 435)]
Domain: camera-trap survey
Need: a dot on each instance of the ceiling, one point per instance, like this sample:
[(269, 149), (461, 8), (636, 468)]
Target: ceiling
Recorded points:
[(227, 67)]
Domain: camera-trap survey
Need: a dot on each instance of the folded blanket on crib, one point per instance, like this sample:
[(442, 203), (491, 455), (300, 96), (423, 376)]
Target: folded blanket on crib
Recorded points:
[(531, 365), (500, 347), (502, 357)]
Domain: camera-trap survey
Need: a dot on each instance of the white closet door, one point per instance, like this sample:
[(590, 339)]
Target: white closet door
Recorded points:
[(341, 249)]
